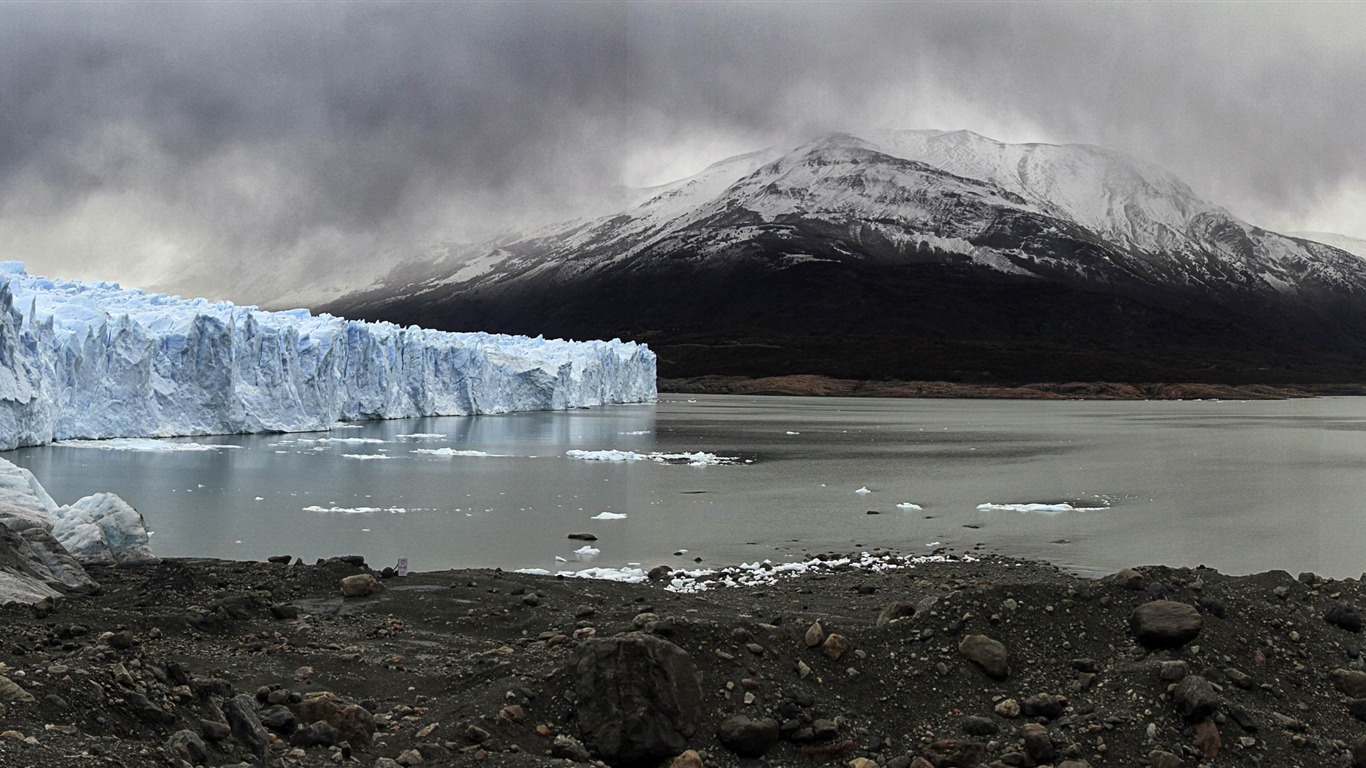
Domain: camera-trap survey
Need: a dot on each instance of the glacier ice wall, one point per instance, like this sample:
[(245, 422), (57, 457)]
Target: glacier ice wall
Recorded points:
[(94, 360)]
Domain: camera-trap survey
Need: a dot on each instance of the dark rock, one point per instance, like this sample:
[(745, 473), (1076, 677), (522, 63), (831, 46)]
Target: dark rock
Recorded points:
[(1128, 578), (353, 722), (746, 737), (582, 537), (1037, 743), (1214, 607), (823, 730), (952, 752), (979, 726), (1171, 671), (659, 572), (284, 611), (566, 747), (214, 730), (988, 654), (280, 720), (1239, 678), (246, 727), (204, 687), (638, 697), (279, 559), (1349, 682), (900, 609), (1162, 759), (237, 607), (1165, 624), (144, 710), (1208, 742), (188, 747), (1358, 708), (356, 560), (1194, 698), (1045, 705), (121, 641), (1344, 616), (1359, 753), (319, 734)]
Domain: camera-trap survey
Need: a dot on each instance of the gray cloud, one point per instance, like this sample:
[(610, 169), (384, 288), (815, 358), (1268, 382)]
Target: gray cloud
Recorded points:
[(243, 149)]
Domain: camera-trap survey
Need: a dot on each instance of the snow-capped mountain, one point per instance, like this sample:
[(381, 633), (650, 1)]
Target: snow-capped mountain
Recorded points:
[(944, 253), (1353, 245)]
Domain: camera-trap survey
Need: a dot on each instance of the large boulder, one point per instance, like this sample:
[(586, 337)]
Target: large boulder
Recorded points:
[(1165, 624), (638, 698), (353, 722)]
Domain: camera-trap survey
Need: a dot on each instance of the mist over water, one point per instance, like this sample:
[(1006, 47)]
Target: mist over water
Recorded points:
[(1240, 486)]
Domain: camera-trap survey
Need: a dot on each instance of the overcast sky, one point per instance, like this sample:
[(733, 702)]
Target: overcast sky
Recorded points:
[(245, 149)]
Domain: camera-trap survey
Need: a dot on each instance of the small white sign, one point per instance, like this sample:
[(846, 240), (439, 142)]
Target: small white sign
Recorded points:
[(403, 566)]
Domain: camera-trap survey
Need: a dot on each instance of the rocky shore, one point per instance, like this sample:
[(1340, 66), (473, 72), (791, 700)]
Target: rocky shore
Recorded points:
[(991, 662), (825, 386)]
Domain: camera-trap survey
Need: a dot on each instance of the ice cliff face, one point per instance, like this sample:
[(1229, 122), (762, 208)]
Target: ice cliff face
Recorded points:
[(93, 360)]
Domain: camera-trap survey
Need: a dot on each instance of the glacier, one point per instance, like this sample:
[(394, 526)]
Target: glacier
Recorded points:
[(93, 360)]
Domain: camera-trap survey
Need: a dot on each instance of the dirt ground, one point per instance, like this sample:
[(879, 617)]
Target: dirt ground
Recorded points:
[(220, 663)]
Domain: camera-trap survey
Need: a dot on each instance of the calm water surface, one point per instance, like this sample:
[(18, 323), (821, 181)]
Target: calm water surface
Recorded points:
[(1241, 486)]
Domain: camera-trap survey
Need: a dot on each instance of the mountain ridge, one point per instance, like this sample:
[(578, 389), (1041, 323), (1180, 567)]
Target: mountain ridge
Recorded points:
[(935, 239)]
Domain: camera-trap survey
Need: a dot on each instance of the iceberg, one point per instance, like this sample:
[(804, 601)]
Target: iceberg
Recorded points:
[(93, 360)]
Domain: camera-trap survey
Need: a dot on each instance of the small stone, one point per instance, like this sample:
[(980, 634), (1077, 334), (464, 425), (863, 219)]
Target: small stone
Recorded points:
[(815, 635), (410, 757), (1037, 743), (1162, 759), (1207, 739), (319, 734), (802, 669), (246, 726), (12, 691), (835, 646), (1045, 705), (120, 641), (214, 730), (688, 759), (979, 726), (896, 611), (862, 762), (357, 585), (1349, 682), (1128, 578), (1172, 671), (569, 748), (988, 654), (284, 611), (748, 738), (1008, 708)]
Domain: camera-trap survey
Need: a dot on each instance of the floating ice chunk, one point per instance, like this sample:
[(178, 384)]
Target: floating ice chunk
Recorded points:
[(344, 440), (908, 505), (864, 489), (356, 510), (1043, 509), (145, 444), (790, 432), (588, 551), (533, 571), (699, 459), (259, 498), (559, 559), (454, 452), (421, 436), (609, 516), (365, 456)]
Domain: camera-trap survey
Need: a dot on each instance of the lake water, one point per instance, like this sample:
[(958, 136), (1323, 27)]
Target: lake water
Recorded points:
[(1241, 486)]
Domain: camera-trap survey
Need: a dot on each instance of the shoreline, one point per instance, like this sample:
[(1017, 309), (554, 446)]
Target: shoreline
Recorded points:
[(823, 386), (215, 662)]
